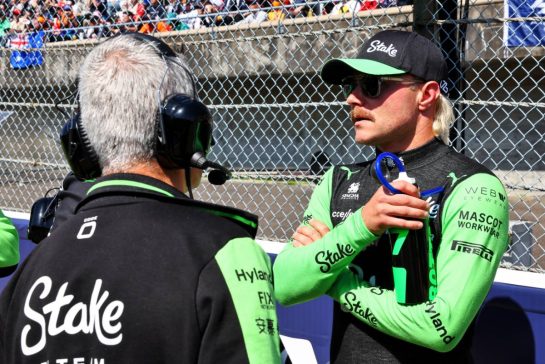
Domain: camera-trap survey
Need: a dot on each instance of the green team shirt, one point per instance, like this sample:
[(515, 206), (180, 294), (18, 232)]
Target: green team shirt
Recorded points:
[(469, 216), (9, 246)]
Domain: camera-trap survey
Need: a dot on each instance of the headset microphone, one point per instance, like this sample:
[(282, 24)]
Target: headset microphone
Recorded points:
[(218, 175)]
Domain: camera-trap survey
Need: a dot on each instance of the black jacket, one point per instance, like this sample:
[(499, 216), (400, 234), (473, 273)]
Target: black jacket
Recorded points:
[(142, 274)]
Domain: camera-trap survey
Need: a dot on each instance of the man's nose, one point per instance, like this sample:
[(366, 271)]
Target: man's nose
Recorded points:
[(356, 97)]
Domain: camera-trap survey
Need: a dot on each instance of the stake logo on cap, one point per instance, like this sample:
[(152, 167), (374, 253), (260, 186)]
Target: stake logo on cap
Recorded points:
[(392, 52), (378, 46)]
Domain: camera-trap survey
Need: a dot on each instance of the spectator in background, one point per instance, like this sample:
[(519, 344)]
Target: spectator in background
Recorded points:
[(5, 24), (98, 5), (192, 19), (19, 22), (81, 8), (40, 23), (124, 23), (114, 6), (135, 8), (233, 8), (255, 15), (164, 26), (387, 3), (211, 18), (219, 4), (64, 24), (155, 10), (68, 19), (151, 26), (277, 13), (34, 7), (147, 27), (49, 9), (174, 7), (187, 6), (353, 6), (96, 27), (304, 8)]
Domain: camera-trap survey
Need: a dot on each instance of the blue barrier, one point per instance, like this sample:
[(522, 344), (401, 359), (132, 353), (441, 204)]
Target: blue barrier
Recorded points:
[(510, 327)]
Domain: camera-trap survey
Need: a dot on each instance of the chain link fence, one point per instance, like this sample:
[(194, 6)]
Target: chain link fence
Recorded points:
[(277, 125)]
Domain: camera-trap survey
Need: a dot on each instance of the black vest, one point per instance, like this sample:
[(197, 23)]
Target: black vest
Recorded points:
[(435, 167)]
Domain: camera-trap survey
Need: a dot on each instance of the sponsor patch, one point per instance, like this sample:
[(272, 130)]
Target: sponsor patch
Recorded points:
[(471, 248), (485, 194), (326, 258), (479, 221), (352, 192), (435, 318), (379, 46), (352, 304), (99, 317)]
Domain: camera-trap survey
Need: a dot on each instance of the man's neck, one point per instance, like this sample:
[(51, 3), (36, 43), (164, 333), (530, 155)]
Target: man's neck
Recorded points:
[(153, 169)]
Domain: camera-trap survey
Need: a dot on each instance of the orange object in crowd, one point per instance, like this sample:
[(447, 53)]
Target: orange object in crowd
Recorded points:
[(163, 27)]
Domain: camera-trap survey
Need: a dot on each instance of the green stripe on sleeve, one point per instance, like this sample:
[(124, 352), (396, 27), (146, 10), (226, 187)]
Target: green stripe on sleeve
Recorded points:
[(248, 275)]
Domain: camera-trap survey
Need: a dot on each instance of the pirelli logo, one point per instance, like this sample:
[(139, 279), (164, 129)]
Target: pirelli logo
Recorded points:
[(470, 248)]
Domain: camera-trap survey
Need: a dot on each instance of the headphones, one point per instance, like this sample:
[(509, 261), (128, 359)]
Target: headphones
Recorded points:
[(184, 130)]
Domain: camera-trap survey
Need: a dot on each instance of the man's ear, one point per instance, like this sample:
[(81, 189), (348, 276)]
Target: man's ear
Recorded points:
[(429, 94)]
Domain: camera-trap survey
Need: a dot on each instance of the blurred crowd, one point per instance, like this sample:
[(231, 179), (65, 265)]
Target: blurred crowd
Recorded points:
[(85, 19)]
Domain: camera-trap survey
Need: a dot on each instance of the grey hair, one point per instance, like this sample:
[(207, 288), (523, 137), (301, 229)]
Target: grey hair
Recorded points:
[(121, 84), (443, 119)]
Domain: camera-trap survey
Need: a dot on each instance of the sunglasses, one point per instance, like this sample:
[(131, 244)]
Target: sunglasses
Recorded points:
[(371, 86)]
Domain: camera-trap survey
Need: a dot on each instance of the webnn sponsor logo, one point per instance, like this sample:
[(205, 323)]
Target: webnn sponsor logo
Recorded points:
[(485, 194)]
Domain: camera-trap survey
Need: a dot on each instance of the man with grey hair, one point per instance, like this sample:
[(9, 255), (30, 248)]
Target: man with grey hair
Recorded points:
[(142, 273), (408, 267)]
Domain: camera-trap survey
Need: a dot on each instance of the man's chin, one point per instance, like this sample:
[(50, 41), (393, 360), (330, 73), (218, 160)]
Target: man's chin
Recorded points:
[(365, 140)]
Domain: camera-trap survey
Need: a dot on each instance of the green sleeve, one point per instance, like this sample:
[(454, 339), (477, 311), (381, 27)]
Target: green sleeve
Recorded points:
[(246, 269), (475, 221), (307, 272), (9, 243)]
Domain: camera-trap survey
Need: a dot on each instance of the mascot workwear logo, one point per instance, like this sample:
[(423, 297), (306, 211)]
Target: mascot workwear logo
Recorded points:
[(95, 318), (479, 222), (379, 46)]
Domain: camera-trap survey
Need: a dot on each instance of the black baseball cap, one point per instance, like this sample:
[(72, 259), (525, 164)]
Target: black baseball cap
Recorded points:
[(388, 53)]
